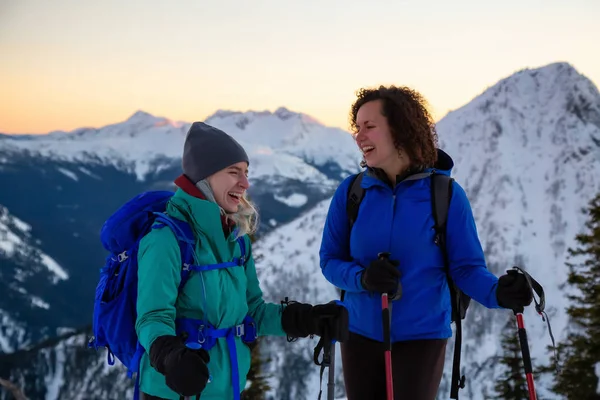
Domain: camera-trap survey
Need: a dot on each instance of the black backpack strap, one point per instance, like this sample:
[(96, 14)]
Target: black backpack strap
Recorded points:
[(353, 199), (441, 193), (355, 196)]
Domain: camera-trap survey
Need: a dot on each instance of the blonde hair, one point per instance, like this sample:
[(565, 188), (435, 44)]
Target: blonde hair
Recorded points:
[(246, 218)]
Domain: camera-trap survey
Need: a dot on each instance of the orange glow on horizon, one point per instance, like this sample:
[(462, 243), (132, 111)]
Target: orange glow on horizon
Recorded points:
[(96, 63)]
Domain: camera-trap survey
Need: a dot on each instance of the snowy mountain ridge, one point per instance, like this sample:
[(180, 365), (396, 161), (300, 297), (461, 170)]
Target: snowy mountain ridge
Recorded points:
[(279, 144)]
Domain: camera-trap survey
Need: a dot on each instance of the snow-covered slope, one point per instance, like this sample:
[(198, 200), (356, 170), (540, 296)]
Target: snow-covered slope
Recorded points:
[(63, 368), (26, 273), (16, 244)]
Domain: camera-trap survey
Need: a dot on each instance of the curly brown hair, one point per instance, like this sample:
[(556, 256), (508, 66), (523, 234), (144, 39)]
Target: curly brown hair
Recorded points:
[(412, 127)]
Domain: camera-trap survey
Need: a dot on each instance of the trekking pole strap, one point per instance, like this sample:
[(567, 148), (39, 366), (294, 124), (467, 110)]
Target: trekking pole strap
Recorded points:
[(540, 307)]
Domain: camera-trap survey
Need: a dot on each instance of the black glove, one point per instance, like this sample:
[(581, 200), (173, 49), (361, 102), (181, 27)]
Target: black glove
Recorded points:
[(184, 369), (513, 291), (301, 320), (381, 276)]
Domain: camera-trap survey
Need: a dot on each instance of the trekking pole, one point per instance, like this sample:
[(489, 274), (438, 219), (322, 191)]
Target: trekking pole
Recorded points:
[(386, 315), (328, 346), (535, 288), (525, 353), (331, 373)]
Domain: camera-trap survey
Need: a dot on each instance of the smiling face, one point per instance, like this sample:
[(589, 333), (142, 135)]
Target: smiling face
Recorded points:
[(375, 141), (229, 185)]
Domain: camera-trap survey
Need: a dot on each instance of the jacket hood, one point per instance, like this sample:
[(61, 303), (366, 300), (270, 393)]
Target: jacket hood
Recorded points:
[(444, 163)]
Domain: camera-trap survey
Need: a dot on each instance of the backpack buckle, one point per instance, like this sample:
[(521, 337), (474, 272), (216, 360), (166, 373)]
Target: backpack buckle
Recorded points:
[(122, 256), (201, 337), (248, 331), (239, 330)]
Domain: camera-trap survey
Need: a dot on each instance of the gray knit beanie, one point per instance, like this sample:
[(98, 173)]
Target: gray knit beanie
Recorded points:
[(208, 150)]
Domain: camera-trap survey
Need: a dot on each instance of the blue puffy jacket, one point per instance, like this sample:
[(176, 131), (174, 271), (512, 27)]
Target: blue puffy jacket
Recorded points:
[(399, 220)]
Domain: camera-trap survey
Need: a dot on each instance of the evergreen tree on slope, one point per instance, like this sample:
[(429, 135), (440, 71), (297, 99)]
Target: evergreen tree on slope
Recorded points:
[(581, 350), (512, 384)]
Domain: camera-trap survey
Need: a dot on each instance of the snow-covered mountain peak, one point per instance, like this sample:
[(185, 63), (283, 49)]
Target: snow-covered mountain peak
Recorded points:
[(244, 118), (143, 120), (142, 116), (556, 95), (292, 133), (551, 112), (551, 82)]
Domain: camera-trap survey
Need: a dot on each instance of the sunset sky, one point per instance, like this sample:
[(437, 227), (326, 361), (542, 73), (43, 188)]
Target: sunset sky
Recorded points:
[(73, 63)]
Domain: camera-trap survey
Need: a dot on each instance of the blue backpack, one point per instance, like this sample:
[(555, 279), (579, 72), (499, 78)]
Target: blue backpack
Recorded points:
[(115, 301)]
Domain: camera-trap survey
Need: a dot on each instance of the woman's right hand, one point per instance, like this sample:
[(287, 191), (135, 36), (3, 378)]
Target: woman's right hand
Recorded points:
[(381, 276), (184, 369)]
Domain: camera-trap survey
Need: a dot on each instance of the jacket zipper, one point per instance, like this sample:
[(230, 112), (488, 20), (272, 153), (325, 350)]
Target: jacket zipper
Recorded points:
[(392, 222)]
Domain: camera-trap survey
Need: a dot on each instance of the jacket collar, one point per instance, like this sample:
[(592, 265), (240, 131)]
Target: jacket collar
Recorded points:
[(185, 184), (376, 177)]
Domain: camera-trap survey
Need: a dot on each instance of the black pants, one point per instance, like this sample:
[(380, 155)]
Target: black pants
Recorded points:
[(417, 368)]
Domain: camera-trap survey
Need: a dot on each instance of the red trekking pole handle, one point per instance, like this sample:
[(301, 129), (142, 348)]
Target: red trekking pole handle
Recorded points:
[(525, 353), (386, 319), (534, 287)]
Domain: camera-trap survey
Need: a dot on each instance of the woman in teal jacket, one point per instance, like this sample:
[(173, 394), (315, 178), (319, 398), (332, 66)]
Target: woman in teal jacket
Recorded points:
[(182, 360), (397, 137)]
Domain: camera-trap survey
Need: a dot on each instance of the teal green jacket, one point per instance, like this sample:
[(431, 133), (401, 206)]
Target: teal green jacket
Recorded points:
[(231, 294)]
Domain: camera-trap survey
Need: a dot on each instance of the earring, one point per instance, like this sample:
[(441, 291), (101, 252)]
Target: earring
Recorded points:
[(399, 153)]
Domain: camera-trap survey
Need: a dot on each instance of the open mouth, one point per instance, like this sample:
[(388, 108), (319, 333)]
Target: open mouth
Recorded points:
[(367, 149), (235, 196)]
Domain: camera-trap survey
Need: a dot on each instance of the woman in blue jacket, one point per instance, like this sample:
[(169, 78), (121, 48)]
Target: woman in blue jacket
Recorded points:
[(397, 137)]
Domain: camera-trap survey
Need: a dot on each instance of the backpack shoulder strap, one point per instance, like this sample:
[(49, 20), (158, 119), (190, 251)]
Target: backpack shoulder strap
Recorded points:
[(355, 196), (441, 193), (185, 238), (242, 243), (353, 199)]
